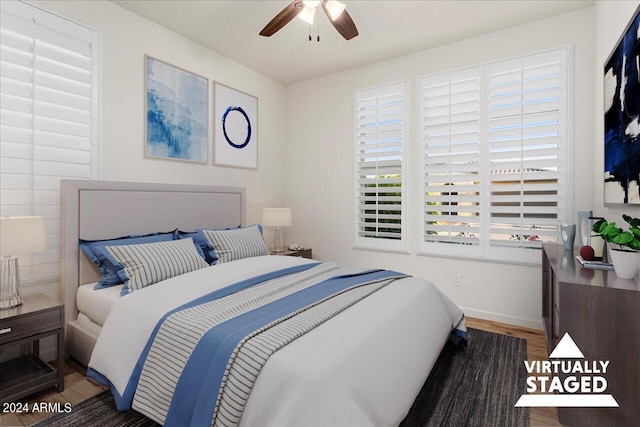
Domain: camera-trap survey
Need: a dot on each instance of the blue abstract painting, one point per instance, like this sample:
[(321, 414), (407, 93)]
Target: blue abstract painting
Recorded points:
[(176, 113), (622, 118)]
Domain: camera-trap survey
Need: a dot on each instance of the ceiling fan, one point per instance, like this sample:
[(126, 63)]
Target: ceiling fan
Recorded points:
[(306, 10)]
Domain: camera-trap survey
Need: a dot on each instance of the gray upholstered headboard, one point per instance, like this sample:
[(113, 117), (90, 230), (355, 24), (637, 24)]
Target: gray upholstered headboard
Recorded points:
[(94, 210)]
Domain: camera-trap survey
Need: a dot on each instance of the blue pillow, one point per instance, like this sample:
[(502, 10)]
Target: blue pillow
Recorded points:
[(109, 272), (186, 234), (231, 244), (201, 246)]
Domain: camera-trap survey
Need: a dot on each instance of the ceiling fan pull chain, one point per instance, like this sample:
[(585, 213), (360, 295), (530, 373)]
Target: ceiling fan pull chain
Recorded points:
[(318, 31)]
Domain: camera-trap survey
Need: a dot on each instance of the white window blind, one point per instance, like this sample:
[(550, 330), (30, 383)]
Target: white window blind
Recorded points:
[(494, 158), (381, 149), (49, 119), (451, 130), (527, 139)]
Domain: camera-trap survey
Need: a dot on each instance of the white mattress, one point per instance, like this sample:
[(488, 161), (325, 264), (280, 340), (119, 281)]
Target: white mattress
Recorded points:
[(89, 325), (96, 304)]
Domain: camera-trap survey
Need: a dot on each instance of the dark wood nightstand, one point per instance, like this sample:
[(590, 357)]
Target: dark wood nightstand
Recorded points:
[(302, 253), (38, 317)]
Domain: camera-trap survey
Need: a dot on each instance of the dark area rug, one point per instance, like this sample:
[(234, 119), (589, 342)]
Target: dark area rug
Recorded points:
[(101, 411), (475, 387)]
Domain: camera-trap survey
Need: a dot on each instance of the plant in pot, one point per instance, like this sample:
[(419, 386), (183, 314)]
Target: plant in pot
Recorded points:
[(624, 245)]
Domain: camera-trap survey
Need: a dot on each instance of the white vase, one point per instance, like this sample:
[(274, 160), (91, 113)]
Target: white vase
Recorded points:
[(625, 263)]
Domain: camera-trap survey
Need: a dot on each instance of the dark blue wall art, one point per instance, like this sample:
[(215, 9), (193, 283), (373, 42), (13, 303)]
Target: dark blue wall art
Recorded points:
[(236, 128), (176, 113), (622, 118)]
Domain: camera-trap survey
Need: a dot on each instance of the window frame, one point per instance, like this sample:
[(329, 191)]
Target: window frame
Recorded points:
[(456, 250), (487, 252), (400, 245), (33, 23)]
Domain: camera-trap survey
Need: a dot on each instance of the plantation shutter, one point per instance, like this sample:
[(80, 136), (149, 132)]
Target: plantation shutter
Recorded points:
[(381, 141), (527, 139), (49, 120), (495, 165), (451, 196)]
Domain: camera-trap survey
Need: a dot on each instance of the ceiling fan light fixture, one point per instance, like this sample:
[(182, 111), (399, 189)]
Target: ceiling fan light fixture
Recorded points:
[(305, 9), (335, 9), (307, 14)]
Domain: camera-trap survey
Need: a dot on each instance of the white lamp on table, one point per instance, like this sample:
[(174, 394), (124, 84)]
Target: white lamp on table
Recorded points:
[(19, 235), (277, 218)]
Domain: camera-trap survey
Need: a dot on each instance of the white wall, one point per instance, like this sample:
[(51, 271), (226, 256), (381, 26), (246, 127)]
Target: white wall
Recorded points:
[(319, 154), (611, 18), (305, 140), (126, 39)]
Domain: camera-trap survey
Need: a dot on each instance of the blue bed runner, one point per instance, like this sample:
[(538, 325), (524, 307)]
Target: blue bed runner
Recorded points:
[(214, 350), (123, 401)]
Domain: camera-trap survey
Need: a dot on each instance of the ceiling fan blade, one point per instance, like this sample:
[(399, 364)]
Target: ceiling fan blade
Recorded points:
[(343, 23), (282, 18)]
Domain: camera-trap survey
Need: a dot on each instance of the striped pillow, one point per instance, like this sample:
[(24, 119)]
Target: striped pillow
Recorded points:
[(148, 263), (94, 249), (238, 243)]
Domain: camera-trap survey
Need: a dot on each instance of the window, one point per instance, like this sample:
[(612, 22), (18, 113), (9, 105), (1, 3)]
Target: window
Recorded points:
[(494, 163), (451, 169), (49, 120), (381, 134)]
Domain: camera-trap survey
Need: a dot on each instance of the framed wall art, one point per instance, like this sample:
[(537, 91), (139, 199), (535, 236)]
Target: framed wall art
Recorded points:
[(622, 118), (176, 113), (236, 128)]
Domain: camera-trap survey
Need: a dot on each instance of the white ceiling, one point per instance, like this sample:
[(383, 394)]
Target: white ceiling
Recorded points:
[(387, 29)]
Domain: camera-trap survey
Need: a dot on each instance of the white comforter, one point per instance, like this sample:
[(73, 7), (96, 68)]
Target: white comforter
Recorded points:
[(345, 372)]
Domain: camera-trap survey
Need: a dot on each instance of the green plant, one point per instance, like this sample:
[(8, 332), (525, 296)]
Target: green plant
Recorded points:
[(623, 238)]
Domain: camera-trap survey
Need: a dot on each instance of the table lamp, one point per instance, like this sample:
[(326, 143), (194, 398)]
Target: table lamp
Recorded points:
[(19, 235), (277, 218)]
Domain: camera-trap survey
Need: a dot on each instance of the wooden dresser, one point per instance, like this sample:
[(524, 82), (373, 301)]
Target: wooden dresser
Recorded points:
[(601, 312)]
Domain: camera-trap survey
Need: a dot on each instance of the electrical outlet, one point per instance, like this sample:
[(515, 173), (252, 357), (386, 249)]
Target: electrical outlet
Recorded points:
[(455, 279)]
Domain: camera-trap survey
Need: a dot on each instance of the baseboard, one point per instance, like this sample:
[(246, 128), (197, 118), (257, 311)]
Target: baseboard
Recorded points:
[(502, 318)]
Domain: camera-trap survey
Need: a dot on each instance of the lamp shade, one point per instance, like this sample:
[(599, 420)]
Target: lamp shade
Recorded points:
[(276, 217), (21, 235)]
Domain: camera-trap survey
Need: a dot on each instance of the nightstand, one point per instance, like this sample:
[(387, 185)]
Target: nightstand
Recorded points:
[(38, 317), (301, 253)]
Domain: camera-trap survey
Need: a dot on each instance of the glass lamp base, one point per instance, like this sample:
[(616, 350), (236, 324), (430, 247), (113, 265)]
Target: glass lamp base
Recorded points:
[(277, 240), (9, 284)]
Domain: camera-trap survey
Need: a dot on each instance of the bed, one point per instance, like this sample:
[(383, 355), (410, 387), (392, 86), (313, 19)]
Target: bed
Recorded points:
[(357, 353)]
